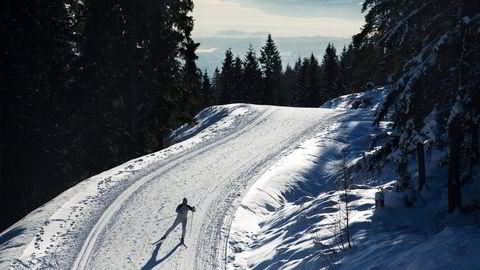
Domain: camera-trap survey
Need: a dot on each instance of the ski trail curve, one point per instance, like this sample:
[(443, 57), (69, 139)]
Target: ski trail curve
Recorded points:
[(86, 250), (214, 177)]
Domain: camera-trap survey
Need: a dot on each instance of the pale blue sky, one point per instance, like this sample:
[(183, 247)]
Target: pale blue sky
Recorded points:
[(281, 18)]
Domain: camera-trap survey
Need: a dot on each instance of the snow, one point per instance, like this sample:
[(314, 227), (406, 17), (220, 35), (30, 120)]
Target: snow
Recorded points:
[(287, 219), (265, 182)]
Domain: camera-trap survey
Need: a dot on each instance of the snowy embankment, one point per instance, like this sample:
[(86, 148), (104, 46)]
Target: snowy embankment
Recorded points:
[(290, 217)]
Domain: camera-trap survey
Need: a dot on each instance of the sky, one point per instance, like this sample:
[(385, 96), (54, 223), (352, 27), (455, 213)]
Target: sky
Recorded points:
[(281, 18)]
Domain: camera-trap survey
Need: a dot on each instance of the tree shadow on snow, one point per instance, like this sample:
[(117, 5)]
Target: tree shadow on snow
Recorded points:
[(152, 262), (6, 237)]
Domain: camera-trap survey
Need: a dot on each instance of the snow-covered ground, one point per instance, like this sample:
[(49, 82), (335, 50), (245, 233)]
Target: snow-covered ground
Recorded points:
[(264, 180)]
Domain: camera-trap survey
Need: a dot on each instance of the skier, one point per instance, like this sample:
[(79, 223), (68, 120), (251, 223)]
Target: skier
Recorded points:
[(182, 210)]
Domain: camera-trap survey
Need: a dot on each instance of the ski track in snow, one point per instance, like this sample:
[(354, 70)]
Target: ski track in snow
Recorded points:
[(214, 176)]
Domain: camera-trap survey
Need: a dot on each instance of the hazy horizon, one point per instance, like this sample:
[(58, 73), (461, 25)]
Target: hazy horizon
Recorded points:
[(281, 18)]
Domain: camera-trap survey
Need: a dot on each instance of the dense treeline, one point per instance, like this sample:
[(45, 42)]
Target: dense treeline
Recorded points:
[(86, 85), (309, 83)]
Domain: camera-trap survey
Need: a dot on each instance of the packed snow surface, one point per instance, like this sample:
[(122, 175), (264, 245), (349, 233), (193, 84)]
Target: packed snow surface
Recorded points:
[(265, 183)]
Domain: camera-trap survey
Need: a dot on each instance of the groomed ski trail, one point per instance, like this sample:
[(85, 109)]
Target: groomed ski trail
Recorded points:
[(213, 176)]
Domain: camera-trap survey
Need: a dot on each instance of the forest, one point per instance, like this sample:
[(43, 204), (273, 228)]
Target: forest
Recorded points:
[(87, 85)]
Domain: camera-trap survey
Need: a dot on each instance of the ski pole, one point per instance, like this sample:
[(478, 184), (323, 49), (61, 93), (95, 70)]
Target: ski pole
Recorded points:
[(166, 218), (191, 224)]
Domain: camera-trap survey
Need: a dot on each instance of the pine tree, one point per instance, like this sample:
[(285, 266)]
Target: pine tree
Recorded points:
[(344, 82), (287, 90), (191, 83), (272, 71), (216, 86), (329, 78), (207, 90), (252, 78), (313, 83), (301, 95), (237, 81), (226, 81)]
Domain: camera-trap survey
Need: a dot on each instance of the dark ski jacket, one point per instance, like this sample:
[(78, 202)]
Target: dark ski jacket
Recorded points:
[(182, 209)]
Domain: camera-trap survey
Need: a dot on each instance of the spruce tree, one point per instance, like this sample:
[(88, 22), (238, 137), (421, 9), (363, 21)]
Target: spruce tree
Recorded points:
[(206, 90), (287, 92), (313, 83), (252, 78), (216, 86), (329, 78), (344, 82), (301, 98), (191, 83), (238, 94), (272, 71), (226, 79)]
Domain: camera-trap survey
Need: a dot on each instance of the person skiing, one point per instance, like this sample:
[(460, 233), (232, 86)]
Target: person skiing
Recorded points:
[(182, 210)]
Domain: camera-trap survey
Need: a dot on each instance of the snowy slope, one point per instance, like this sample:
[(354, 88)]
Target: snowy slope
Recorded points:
[(110, 220)]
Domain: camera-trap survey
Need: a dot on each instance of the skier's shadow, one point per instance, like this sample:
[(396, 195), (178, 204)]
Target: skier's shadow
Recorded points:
[(152, 262)]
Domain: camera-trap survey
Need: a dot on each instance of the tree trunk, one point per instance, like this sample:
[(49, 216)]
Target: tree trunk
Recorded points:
[(420, 167), (454, 192)]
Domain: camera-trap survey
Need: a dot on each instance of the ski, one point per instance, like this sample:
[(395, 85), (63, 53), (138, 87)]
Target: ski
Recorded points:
[(183, 243), (158, 241)]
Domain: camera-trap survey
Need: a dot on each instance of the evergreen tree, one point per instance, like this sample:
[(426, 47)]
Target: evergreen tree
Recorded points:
[(287, 87), (287, 92), (344, 82), (329, 78), (216, 86), (237, 83), (191, 83), (313, 83), (301, 95), (207, 90), (226, 81), (252, 78), (272, 71)]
